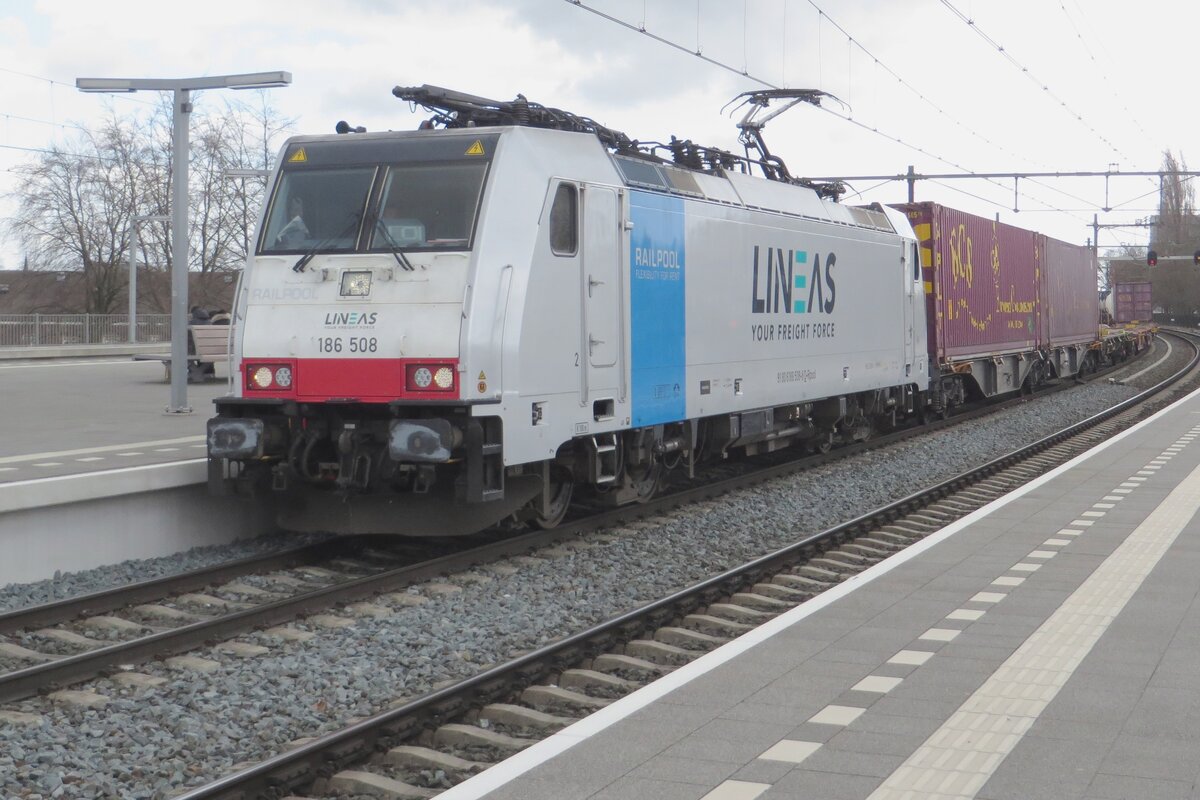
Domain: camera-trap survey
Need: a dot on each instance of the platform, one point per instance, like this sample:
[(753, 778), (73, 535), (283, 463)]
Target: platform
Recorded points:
[(71, 416), (1046, 646)]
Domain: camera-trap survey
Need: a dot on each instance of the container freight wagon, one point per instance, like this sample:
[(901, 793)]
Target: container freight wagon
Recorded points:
[(990, 329), (1132, 302), (1070, 296)]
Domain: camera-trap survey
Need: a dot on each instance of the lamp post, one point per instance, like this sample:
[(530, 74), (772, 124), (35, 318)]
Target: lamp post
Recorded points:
[(182, 87), (133, 246)]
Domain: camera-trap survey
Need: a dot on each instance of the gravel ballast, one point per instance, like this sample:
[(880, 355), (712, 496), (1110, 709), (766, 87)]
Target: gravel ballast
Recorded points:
[(150, 743)]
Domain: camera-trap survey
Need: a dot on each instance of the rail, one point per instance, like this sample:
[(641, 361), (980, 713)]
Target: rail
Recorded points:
[(326, 754)]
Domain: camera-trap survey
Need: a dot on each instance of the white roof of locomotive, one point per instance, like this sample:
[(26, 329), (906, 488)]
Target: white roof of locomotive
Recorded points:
[(729, 187)]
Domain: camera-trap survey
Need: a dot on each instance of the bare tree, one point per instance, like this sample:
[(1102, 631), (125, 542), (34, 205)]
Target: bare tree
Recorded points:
[(75, 204), (1176, 233), (77, 201)]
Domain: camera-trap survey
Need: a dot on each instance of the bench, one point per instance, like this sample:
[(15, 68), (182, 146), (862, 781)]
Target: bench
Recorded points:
[(208, 346)]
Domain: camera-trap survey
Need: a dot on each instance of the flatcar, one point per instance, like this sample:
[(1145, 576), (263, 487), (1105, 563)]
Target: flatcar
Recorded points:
[(482, 319)]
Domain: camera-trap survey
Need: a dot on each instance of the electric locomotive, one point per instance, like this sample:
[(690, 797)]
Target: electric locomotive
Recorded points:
[(476, 321)]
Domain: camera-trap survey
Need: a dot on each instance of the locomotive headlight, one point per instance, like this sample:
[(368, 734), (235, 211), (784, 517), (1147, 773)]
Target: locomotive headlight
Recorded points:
[(435, 377), (262, 378), (269, 377), (356, 284)]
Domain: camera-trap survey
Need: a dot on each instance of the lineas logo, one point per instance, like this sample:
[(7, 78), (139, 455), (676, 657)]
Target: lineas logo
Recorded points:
[(788, 282)]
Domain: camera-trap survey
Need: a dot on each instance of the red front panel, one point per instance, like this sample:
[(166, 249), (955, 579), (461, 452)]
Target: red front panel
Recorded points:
[(1070, 295), (982, 283), (368, 380)]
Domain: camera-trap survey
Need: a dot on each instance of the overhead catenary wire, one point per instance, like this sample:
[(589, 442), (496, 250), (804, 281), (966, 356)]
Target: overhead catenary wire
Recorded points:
[(852, 42), (746, 74), (1107, 81), (1045, 87), (52, 82)]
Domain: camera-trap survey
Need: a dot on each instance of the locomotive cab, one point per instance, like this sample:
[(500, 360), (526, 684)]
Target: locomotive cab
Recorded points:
[(349, 345)]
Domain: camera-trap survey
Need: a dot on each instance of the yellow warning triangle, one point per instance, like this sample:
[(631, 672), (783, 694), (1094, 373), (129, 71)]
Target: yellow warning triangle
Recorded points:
[(482, 377), (298, 156), (475, 149)]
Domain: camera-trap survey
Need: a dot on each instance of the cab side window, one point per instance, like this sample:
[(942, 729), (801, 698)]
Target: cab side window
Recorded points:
[(564, 221)]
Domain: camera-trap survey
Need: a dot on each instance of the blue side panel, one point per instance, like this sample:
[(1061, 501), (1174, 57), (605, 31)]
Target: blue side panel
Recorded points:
[(656, 267)]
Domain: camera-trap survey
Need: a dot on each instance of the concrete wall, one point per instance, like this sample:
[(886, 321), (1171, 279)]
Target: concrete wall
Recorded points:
[(82, 521)]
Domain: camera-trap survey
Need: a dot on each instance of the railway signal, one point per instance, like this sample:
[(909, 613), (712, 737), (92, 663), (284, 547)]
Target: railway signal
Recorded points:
[(1152, 259)]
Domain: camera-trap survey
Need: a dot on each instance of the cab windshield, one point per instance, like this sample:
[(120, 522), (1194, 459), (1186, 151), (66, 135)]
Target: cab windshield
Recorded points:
[(428, 206), (378, 208), (317, 208)]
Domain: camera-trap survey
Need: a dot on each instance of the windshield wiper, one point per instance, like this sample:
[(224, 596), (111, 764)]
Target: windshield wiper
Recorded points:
[(302, 262), (397, 251)]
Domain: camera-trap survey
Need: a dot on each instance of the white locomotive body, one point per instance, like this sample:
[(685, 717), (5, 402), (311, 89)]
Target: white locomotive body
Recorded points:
[(441, 329)]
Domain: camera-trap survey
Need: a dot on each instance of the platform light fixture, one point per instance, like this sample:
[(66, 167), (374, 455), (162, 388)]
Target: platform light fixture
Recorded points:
[(182, 87)]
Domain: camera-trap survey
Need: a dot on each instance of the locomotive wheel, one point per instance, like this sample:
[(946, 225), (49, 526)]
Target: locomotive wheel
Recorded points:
[(823, 445), (562, 487), (648, 483)]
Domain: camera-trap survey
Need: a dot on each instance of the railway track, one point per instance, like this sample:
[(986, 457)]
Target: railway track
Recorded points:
[(450, 734), (53, 646)]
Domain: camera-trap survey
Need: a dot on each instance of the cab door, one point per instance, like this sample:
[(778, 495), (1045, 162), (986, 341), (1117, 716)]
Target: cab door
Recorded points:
[(914, 297), (601, 294)]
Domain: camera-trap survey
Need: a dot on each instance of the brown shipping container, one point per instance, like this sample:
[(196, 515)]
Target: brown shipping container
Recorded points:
[(1070, 294), (1132, 302), (982, 283)]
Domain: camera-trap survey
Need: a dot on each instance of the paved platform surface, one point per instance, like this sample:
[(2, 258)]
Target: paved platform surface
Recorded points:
[(1047, 646), (68, 416)]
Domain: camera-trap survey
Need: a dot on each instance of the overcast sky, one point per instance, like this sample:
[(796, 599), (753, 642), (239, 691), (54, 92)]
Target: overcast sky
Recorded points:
[(1091, 82)]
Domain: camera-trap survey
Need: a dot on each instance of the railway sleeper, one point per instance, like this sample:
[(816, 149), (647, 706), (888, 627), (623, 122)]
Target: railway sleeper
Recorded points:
[(509, 717), (906, 533), (629, 667), (69, 638), (740, 614), (761, 602), (161, 613), (17, 653), (715, 626), (479, 741), (959, 504), (553, 699), (418, 758), (850, 558), (660, 652), (823, 571), (777, 591), (596, 684), (927, 521), (207, 602), (882, 544), (875, 554), (801, 583), (690, 639), (358, 782)]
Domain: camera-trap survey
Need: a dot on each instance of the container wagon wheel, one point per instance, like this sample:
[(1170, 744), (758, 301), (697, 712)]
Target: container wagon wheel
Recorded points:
[(562, 487)]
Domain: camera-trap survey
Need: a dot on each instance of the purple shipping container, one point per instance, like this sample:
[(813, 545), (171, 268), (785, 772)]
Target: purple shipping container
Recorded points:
[(982, 283), (1070, 295), (1132, 302)]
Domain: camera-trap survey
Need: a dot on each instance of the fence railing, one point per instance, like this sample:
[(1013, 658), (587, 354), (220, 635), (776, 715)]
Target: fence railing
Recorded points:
[(32, 330)]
